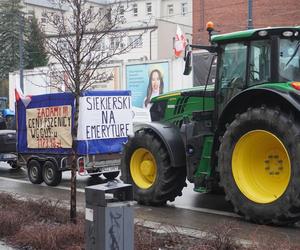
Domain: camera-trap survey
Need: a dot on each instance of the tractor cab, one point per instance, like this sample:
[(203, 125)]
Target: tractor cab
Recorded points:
[(252, 58)]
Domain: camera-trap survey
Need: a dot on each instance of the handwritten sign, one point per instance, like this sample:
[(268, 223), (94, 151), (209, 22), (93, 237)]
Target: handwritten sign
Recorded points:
[(49, 127), (104, 117)]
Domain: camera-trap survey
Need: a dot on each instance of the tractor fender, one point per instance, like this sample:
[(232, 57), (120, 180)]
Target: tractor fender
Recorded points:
[(254, 97), (258, 96), (170, 135)]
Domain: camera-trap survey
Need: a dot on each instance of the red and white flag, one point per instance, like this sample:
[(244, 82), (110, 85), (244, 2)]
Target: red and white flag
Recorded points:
[(180, 42), (19, 95)]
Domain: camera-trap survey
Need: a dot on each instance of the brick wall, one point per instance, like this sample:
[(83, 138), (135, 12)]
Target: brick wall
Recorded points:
[(231, 15)]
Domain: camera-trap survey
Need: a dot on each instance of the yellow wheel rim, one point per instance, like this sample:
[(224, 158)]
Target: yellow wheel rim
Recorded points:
[(261, 166), (143, 168)]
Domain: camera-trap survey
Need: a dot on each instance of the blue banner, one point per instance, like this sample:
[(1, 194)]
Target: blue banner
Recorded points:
[(38, 134)]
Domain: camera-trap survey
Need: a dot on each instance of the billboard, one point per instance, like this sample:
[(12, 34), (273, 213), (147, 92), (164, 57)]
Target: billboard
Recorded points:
[(146, 81), (102, 79)]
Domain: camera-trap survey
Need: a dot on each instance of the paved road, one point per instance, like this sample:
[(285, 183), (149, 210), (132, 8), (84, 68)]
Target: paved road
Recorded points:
[(192, 210)]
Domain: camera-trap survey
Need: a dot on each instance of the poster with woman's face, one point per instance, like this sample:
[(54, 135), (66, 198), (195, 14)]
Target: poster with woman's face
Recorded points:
[(146, 81)]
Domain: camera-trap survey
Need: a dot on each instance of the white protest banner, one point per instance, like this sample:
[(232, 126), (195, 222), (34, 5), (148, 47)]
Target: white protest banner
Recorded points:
[(49, 127), (104, 117)]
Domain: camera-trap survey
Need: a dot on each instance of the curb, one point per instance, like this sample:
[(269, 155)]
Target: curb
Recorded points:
[(160, 228)]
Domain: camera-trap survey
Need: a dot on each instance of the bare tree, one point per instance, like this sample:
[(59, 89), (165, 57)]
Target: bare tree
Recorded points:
[(81, 35)]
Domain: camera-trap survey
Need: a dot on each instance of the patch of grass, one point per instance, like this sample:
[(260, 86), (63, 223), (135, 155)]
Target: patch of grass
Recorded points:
[(49, 237), (266, 238), (10, 222), (45, 225)]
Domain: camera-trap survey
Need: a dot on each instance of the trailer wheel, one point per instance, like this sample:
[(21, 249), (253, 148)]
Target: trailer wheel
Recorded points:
[(259, 166), (14, 165), (111, 175), (146, 164), (52, 176), (35, 172)]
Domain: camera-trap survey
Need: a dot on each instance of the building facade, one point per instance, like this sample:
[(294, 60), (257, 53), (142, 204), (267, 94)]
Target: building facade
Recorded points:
[(232, 15), (157, 18)]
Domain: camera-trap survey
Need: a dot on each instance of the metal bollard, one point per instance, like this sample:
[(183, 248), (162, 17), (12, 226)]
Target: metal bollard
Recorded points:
[(109, 217)]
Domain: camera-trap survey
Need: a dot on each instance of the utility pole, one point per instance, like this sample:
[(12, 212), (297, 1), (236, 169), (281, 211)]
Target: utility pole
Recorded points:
[(21, 50), (250, 18)]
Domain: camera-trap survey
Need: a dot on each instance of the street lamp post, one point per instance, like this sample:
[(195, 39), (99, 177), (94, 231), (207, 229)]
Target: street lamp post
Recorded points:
[(250, 17), (21, 51)]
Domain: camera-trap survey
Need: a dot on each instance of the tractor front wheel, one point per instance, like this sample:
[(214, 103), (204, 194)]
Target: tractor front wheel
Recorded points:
[(146, 164), (259, 166)]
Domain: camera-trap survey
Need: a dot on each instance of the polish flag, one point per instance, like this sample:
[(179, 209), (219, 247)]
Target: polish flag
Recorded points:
[(20, 96), (180, 42)]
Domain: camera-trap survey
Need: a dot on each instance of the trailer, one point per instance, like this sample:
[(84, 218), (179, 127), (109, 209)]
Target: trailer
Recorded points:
[(44, 134)]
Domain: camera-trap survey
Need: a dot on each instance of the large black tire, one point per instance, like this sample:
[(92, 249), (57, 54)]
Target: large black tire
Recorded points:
[(259, 164), (34, 169), (51, 175), (167, 182), (111, 175)]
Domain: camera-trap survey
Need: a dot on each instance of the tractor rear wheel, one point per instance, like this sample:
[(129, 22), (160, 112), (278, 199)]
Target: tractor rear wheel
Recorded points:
[(259, 166), (146, 164)]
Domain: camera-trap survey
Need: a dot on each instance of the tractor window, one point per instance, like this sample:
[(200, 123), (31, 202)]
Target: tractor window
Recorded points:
[(289, 60), (259, 65), (232, 73)]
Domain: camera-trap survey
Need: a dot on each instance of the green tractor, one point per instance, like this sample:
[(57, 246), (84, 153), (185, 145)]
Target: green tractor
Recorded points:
[(241, 134)]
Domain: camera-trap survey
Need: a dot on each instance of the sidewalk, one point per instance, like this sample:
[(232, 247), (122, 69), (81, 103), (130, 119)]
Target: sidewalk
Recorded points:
[(183, 221), (3, 246)]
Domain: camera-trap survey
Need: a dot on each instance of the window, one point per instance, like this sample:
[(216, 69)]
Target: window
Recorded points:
[(108, 15), (43, 23), (99, 44), (232, 72), (135, 41), (63, 47), (30, 18), (122, 11), (30, 15), (135, 9), (289, 60), (116, 43), (259, 65), (233, 65), (149, 9), (184, 9), (170, 9), (43, 20)]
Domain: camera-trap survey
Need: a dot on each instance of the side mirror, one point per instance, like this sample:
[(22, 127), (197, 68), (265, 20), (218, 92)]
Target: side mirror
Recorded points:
[(188, 66)]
